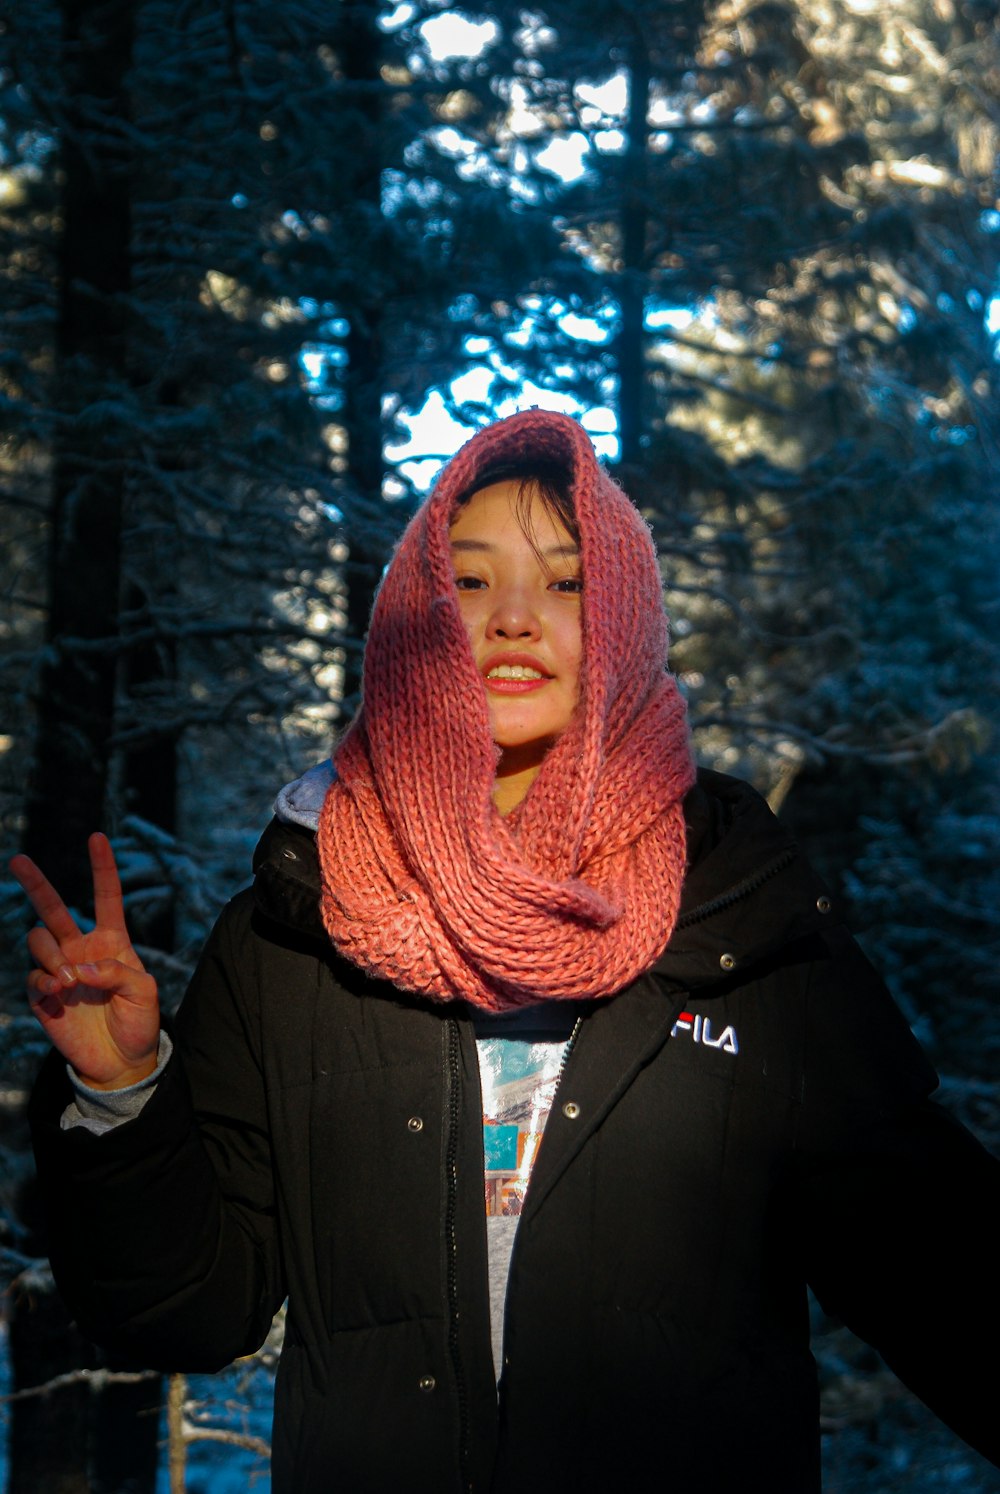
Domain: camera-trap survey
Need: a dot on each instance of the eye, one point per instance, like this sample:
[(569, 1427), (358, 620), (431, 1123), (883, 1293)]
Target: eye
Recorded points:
[(470, 583), (568, 585)]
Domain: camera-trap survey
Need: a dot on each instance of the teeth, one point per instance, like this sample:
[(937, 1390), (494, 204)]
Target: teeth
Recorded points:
[(514, 672)]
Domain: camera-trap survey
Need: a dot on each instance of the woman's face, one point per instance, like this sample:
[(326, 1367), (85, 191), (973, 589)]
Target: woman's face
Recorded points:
[(519, 593)]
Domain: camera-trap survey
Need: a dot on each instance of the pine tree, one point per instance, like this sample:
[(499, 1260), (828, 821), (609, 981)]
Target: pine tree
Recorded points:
[(232, 488), (789, 212)]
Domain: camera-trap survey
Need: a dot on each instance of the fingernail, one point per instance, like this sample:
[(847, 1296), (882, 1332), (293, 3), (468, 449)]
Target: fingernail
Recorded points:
[(66, 975), (86, 972), (48, 985)]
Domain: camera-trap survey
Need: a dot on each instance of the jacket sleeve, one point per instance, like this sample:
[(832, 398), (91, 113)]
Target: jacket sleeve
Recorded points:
[(897, 1201), (162, 1231)]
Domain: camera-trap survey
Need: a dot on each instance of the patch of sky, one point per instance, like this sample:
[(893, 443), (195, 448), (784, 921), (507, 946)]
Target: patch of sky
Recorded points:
[(473, 387), (973, 300), (603, 100), (435, 433), (400, 15), (566, 157), (313, 361), (457, 35), (239, 200), (602, 421), (451, 143), (993, 316), (601, 107), (663, 114), (677, 318), (318, 359), (906, 318), (596, 329), (534, 35), (522, 120), (318, 362), (521, 187), (520, 162), (585, 328)]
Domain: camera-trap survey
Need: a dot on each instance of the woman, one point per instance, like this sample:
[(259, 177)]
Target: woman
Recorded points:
[(513, 888)]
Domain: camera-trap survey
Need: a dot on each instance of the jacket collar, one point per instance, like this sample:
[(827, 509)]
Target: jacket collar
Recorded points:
[(748, 891), (287, 878)]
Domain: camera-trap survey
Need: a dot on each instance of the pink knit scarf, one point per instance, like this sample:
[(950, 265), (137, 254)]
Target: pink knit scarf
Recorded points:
[(575, 892)]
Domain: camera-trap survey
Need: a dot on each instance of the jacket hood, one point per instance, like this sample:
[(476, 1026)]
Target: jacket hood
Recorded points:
[(748, 891)]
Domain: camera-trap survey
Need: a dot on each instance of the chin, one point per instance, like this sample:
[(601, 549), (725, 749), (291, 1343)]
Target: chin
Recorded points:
[(524, 752)]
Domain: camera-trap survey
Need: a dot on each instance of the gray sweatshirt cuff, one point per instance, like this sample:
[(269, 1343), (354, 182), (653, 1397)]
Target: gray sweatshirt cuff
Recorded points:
[(101, 1110)]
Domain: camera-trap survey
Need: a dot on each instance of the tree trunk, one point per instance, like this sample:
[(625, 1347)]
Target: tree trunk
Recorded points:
[(77, 1440), (634, 232), (67, 795), (359, 50), (148, 786)]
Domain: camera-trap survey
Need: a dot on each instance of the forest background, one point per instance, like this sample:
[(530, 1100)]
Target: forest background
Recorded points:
[(249, 250)]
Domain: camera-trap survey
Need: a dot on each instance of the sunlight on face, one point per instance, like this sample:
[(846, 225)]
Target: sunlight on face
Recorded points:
[(519, 592)]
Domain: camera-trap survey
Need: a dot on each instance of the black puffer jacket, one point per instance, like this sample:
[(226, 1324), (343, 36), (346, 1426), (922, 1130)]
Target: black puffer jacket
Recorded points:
[(749, 1116)]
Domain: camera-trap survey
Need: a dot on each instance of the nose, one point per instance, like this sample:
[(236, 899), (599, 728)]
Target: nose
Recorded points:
[(513, 615)]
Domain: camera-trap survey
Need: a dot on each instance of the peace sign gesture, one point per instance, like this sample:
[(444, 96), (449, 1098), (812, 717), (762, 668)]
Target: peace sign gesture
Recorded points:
[(90, 992)]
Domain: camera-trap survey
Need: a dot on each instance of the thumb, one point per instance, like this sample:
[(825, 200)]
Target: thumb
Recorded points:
[(123, 980)]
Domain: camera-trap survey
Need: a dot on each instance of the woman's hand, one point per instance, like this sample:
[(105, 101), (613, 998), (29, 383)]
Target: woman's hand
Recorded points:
[(97, 1004)]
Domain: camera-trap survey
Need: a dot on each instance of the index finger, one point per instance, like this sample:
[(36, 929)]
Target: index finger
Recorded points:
[(44, 898), (109, 909)]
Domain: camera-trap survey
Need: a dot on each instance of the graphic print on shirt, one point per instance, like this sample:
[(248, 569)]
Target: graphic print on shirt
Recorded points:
[(519, 1082)]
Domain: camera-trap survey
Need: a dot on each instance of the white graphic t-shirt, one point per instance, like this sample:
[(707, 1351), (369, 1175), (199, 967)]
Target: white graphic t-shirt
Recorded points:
[(520, 1060)]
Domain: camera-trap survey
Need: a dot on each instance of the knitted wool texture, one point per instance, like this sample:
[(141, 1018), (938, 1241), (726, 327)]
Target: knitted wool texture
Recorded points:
[(575, 892)]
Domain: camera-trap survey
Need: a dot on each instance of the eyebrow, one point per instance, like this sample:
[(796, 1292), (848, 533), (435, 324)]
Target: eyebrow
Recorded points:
[(554, 552)]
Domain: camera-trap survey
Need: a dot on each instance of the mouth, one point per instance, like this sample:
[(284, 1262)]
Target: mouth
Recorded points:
[(514, 674)]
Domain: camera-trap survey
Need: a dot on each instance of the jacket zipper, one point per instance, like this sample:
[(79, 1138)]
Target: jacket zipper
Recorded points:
[(451, 1246), (570, 1045)]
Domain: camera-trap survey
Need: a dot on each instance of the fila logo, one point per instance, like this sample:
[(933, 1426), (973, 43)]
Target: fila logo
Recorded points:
[(700, 1029)]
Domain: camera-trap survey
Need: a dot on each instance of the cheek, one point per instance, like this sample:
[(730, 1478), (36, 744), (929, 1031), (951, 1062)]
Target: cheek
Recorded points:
[(468, 611), (572, 651)]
